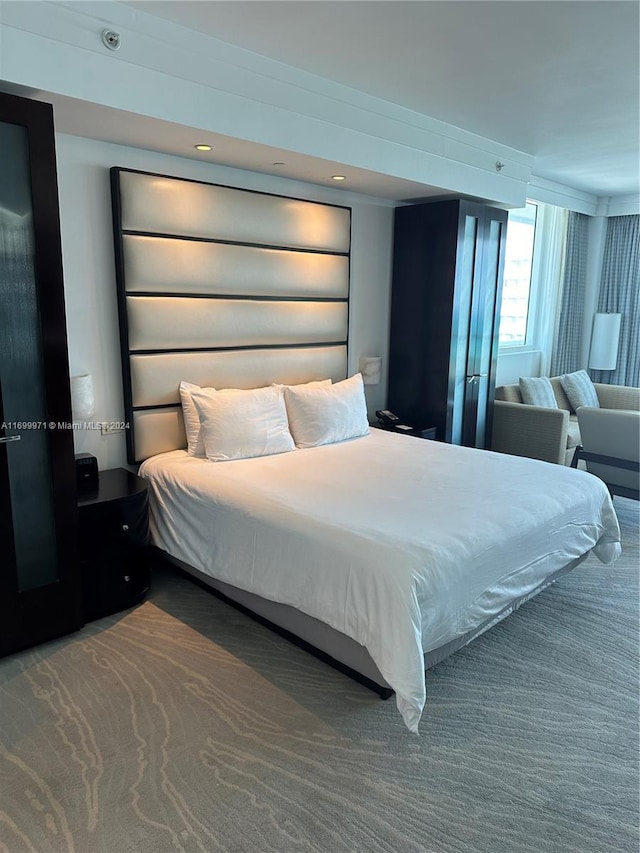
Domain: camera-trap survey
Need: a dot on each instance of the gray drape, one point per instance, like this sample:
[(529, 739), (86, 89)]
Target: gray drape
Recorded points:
[(565, 357), (620, 293)]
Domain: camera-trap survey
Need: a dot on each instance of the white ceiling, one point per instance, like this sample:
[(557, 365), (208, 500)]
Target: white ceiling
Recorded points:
[(557, 80)]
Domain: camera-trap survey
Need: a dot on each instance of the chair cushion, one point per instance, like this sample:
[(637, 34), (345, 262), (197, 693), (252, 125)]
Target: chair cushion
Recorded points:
[(537, 392), (580, 390)]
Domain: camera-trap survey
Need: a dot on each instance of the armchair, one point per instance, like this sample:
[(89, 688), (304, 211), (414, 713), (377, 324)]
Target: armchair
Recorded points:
[(611, 448), (551, 435)]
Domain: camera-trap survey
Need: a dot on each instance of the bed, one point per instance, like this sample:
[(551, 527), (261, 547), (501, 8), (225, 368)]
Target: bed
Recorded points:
[(408, 547), (384, 552)]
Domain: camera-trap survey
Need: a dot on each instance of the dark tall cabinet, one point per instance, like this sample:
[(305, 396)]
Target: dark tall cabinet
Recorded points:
[(40, 589), (445, 309)]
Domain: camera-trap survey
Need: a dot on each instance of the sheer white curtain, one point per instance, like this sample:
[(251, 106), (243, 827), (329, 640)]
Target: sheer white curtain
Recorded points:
[(551, 233)]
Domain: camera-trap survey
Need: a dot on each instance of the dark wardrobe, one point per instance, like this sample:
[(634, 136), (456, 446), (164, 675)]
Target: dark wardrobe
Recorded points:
[(40, 592), (445, 310)]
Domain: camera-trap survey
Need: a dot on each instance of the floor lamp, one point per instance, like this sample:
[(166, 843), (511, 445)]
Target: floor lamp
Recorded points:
[(605, 339)]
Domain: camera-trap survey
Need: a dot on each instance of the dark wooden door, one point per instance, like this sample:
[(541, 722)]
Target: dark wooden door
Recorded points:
[(485, 315), (447, 279), (465, 326), (40, 592)]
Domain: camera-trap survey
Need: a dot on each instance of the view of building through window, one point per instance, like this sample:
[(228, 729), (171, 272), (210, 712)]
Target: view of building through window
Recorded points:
[(517, 276)]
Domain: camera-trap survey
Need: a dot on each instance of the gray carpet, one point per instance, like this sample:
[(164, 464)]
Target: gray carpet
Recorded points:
[(185, 726)]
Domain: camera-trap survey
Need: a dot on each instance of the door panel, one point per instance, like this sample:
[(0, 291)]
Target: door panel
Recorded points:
[(483, 351), (461, 326), (39, 582), (21, 372), (495, 232), (471, 370)]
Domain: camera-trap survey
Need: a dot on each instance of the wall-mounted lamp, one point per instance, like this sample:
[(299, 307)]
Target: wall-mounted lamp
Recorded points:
[(370, 368), (82, 400), (605, 338)]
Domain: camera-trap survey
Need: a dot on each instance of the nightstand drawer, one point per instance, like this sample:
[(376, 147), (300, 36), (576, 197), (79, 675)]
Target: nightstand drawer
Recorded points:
[(116, 582), (125, 520)]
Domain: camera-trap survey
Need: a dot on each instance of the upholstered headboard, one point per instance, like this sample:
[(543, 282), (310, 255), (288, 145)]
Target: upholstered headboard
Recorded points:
[(224, 288)]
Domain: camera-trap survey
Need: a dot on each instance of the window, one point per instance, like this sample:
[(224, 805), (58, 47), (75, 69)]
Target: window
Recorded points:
[(516, 288)]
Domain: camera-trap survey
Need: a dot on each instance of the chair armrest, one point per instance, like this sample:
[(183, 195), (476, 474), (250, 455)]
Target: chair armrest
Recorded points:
[(610, 432), (618, 397), (532, 431), (611, 448)]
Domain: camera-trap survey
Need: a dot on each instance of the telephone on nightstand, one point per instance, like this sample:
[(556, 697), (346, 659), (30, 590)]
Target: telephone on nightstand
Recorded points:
[(387, 418)]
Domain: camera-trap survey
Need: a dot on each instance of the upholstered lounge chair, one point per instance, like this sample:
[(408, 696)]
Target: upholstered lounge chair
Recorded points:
[(548, 434)]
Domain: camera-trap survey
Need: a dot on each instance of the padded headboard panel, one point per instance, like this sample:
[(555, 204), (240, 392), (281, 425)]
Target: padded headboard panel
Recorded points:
[(225, 288)]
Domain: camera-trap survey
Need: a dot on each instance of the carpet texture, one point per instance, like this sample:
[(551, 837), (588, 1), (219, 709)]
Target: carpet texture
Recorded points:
[(183, 725)]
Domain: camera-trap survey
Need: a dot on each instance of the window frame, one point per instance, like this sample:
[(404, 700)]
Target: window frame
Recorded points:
[(533, 295)]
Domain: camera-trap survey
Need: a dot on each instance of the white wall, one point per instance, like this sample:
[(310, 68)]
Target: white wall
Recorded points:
[(512, 365), (89, 269)]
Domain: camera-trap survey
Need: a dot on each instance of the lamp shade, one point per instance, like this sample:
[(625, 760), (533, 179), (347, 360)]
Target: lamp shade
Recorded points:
[(605, 338), (370, 368), (82, 400)]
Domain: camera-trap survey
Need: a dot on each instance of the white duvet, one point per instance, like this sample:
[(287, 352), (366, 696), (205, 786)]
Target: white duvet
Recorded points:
[(400, 543)]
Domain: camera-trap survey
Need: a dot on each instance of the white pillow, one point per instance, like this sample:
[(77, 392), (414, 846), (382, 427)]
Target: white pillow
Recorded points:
[(327, 414), (580, 390), (195, 444), (312, 384), (237, 424), (538, 391)]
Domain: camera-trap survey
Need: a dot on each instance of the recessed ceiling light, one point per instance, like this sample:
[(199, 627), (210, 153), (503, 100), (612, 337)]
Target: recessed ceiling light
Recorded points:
[(203, 147), (338, 178)]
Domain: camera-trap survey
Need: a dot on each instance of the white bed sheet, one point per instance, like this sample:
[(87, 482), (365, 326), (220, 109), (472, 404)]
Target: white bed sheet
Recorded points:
[(400, 543)]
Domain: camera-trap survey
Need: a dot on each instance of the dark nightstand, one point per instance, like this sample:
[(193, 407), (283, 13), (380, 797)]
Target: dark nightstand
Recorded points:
[(428, 432), (113, 522)]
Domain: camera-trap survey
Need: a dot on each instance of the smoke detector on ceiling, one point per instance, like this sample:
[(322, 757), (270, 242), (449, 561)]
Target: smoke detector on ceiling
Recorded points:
[(111, 39)]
